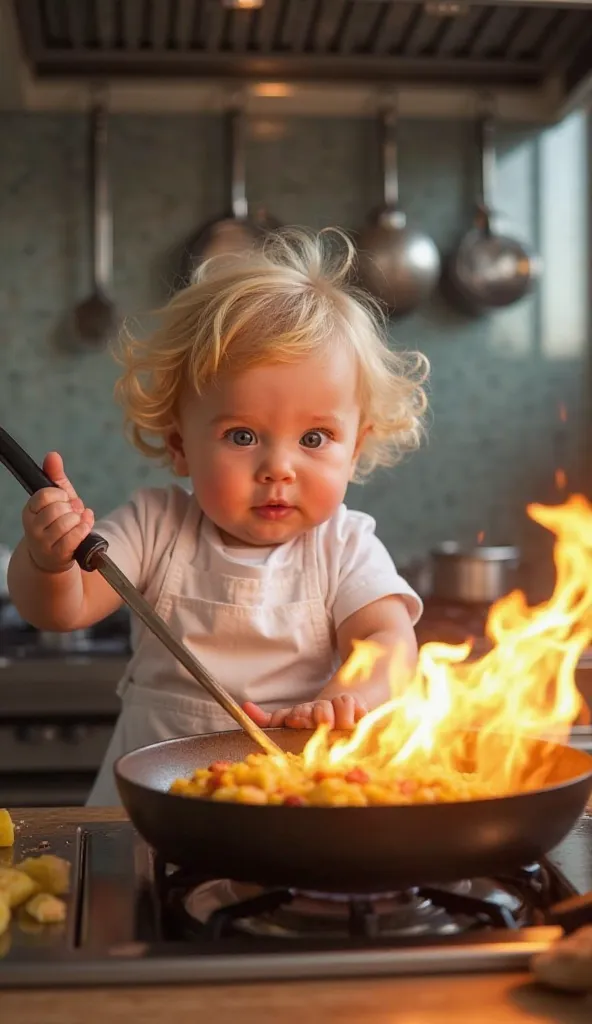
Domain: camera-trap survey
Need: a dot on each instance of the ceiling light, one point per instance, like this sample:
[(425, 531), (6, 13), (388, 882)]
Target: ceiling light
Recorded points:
[(272, 90), (243, 5)]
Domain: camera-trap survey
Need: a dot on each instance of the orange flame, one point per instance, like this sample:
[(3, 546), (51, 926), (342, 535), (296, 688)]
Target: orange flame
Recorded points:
[(460, 714)]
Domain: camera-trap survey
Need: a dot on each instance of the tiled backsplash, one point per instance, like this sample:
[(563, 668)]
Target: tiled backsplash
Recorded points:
[(497, 383)]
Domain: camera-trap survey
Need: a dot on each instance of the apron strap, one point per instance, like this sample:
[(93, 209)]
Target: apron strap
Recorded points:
[(189, 530)]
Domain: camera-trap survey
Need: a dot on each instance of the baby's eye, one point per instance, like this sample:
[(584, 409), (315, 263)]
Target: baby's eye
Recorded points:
[(241, 436), (313, 439)]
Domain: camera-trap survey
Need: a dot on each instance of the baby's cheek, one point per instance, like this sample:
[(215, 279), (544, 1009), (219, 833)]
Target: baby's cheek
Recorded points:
[(329, 486), (224, 486)]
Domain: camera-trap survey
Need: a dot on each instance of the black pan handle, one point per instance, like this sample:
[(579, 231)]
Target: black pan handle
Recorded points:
[(32, 478)]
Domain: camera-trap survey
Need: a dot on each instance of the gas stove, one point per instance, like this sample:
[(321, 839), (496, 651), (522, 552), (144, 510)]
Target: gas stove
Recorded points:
[(134, 920)]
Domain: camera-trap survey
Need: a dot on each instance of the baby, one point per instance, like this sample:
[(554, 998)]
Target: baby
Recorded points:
[(269, 384)]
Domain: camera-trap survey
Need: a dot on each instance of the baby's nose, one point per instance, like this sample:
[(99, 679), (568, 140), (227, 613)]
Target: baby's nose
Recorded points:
[(277, 465)]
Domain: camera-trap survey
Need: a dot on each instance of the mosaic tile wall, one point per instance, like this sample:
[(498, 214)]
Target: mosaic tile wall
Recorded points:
[(497, 384)]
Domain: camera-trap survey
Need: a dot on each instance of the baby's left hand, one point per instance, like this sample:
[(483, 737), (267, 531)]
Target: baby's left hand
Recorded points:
[(341, 712)]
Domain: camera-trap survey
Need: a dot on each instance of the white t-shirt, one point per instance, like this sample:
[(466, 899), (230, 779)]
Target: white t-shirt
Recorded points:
[(354, 567)]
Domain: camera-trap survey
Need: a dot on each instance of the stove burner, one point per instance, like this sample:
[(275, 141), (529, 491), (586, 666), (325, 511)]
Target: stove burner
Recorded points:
[(222, 907)]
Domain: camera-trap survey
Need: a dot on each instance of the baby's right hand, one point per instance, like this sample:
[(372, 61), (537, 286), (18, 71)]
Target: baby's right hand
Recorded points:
[(55, 520)]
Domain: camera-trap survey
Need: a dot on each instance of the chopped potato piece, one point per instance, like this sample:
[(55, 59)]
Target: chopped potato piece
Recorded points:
[(4, 915), (6, 856), (6, 828), (46, 908), (50, 872), (16, 887)]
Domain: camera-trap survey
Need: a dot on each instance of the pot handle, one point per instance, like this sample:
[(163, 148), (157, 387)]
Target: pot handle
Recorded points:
[(487, 163), (237, 141), (390, 156)]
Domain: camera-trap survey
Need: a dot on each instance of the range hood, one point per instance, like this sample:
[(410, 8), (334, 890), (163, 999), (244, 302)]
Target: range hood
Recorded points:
[(501, 44)]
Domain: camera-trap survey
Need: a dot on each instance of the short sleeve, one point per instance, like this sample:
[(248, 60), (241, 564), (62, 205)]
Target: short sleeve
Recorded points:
[(138, 531), (359, 567), (122, 530)]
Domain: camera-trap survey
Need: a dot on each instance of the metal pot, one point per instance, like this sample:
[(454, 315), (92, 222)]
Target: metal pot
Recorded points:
[(489, 270), (479, 575), (236, 232), (397, 263)]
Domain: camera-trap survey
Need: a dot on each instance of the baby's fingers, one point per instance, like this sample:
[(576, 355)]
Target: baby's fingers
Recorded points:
[(323, 713), (260, 717), (300, 717), (344, 707), (53, 465)]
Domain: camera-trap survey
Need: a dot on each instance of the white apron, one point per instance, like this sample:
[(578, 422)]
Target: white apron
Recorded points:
[(252, 626)]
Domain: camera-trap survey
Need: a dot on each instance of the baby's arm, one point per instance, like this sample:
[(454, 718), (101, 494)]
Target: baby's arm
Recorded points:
[(385, 622), (47, 587)]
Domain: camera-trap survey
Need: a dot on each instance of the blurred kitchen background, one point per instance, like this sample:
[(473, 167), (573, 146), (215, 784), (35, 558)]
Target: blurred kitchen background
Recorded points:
[(509, 391)]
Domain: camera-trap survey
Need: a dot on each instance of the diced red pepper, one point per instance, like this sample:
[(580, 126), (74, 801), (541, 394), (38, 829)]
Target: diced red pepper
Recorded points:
[(357, 775), (220, 766), (294, 801), (408, 786), (320, 776)]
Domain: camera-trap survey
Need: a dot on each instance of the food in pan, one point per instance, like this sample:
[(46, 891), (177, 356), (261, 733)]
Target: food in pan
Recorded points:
[(261, 779)]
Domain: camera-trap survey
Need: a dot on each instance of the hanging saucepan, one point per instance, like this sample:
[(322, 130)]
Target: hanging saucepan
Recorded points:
[(235, 232), (488, 270), (398, 264)]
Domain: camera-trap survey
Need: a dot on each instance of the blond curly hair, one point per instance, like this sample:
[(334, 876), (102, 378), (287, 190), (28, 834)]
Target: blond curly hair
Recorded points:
[(281, 302)]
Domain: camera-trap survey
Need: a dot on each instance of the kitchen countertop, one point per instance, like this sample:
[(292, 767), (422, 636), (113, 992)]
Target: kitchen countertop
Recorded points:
[(474, 999)]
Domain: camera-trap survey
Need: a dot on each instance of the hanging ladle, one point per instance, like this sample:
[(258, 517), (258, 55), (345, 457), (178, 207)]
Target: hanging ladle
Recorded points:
[(95, 318)]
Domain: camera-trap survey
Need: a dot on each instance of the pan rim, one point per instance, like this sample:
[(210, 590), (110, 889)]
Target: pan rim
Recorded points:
[(407, 808)]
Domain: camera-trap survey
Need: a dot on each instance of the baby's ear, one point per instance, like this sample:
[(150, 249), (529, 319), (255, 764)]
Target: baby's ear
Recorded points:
[(174, 443)]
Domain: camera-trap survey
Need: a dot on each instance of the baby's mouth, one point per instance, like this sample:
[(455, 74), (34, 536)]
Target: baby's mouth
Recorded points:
[(274, 509)]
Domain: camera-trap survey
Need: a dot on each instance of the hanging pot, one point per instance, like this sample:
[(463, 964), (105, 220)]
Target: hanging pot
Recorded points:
[(398, 264), (488, 270), (236, 232)]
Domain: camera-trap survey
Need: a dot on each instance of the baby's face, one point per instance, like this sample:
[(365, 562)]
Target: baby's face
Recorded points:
[(270, 450)]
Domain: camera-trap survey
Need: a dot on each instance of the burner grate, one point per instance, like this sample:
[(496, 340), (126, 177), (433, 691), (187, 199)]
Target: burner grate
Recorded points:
[(212, 910)]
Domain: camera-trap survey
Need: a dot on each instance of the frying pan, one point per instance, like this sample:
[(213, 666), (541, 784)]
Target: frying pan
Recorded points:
[(235, 232), (488, 270), (342, 849)]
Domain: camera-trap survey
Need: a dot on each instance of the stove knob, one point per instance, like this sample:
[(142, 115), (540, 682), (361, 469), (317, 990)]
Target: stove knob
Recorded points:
[(36, 734), (75, 733)]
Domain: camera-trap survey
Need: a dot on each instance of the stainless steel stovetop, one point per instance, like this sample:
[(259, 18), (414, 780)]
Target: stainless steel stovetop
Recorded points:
[(133, 920)]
